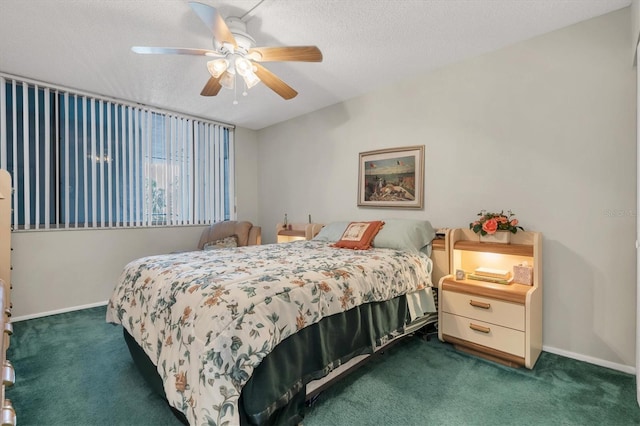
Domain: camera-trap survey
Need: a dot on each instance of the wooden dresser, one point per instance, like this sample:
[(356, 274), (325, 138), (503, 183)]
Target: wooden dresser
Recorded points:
[(8, 415)]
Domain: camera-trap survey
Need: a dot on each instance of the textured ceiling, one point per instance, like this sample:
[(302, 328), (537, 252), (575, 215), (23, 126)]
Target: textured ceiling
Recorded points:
[(85, 44)]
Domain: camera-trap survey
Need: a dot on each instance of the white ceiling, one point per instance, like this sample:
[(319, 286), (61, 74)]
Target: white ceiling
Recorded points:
[(85, 45)]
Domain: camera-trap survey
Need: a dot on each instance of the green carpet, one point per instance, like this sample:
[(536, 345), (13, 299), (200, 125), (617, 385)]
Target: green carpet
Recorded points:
[(75, 369)]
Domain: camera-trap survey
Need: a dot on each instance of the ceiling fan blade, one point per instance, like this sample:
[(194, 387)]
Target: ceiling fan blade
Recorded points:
[(274, 83), (212, 19), (290, 53), (175, 51), (212, 87)]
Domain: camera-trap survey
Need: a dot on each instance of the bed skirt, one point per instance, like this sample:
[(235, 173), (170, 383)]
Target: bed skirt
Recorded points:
[(276, 392)]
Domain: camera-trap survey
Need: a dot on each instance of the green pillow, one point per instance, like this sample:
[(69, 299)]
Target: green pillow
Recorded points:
[(332, 231)]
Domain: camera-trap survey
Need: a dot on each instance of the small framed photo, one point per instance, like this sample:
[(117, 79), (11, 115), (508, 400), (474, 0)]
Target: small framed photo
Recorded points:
[(460, 275), (392, 177)]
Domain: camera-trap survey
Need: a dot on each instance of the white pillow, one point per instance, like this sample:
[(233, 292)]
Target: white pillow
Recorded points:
[(404, 234)]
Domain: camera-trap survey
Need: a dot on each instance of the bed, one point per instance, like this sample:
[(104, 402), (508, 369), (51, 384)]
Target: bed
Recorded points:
[(243, 335)]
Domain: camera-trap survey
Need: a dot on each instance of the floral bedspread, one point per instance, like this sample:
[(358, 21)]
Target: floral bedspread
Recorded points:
[(207, 318)]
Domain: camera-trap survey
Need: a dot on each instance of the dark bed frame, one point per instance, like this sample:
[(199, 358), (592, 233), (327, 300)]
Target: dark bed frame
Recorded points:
[(289, 376)]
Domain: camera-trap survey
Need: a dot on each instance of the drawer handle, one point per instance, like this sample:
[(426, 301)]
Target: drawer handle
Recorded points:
[(477, 304), (479, 328), (8, 414), (8, 374)]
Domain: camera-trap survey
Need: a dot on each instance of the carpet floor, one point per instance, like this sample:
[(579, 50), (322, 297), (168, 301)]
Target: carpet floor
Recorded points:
[(75, 369)]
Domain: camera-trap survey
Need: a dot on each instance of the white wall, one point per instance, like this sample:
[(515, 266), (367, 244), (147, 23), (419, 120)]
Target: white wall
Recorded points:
[(545, 128), (61, 270), (635, 28), (247, 175)]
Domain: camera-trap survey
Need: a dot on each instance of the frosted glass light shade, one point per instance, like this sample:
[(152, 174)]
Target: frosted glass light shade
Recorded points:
[(228, 80), (217, 67)]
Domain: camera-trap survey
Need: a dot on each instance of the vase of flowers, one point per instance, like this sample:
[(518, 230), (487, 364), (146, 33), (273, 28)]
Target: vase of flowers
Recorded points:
[(495, 227)]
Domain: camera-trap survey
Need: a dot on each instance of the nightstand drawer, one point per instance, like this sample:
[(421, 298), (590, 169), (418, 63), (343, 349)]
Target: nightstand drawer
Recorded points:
[(498, 312), (483, 333)]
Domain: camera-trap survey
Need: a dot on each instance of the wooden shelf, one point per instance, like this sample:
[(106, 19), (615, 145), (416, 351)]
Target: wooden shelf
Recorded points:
[(514, 292), (292, 233), (513, 249)]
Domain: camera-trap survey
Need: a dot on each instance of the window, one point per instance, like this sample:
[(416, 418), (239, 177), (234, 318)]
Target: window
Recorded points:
[(79, 161)]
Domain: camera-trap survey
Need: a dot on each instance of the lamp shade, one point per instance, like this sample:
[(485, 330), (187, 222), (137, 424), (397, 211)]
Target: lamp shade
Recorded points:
[(217, 67)]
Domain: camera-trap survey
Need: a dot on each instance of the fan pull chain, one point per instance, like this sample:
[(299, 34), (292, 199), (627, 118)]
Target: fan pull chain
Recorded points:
[(235, 91)]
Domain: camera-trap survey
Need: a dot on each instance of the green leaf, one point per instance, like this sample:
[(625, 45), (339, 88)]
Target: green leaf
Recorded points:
[(236, 343)]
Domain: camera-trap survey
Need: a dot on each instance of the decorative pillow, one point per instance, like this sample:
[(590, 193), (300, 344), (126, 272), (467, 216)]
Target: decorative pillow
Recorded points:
[(331, 231), (405, 234), (226, 242), (358, 235)]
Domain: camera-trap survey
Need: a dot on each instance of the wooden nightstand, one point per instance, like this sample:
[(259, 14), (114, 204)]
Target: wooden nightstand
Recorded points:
[(500, 322), (298, 231)]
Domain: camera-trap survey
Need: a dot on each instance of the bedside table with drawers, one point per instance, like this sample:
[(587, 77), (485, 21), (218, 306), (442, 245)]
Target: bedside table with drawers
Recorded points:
[(500, 322), (296, 231)]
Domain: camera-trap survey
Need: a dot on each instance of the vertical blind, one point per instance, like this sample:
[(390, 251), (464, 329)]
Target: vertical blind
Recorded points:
[(79, 161)]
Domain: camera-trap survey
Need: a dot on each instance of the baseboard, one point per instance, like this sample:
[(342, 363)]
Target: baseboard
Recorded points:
[(591, 360), (59, 311)]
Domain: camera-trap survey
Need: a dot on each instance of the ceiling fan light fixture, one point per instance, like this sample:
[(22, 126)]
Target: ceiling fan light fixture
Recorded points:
[(250, 79), (217, 67), (228, 79), (243, 66)]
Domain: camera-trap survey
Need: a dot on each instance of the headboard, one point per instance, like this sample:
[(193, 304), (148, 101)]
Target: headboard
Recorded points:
[(440, 256)]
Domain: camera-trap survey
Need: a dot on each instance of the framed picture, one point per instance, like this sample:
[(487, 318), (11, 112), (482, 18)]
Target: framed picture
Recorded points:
[(392, 177)]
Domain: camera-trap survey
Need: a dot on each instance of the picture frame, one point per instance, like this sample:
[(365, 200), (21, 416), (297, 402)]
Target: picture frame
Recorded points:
[(392, 178)]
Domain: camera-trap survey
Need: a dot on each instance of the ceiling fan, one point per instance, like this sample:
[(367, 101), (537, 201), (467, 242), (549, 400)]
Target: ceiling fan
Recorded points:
[(236, 55)]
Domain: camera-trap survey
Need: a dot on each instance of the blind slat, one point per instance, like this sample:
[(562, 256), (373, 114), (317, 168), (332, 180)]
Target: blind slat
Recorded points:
[(109, 165), (3, 123), (66, 160), (36, 161), (26, 157), (14, 117)]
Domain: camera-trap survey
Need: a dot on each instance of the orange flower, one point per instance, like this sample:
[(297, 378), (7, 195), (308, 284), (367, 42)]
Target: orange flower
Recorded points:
[(181, 381), (169, 341), (186, 313), (215, 299), (490, 226), (300, 322), (342, 274), (514, 222), (324, 286), (346, 296)]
